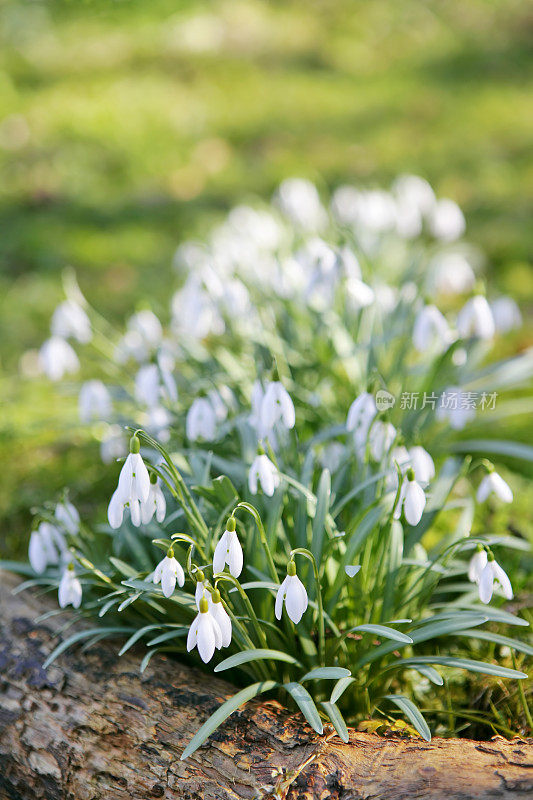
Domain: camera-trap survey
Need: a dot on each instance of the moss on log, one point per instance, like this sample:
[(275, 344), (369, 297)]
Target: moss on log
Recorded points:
[(91, 727)]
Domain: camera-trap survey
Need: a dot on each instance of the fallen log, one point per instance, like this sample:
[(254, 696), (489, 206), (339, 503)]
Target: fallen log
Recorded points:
[(91, 727)]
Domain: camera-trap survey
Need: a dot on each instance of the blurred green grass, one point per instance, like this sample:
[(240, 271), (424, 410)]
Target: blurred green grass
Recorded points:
[(128, 126)]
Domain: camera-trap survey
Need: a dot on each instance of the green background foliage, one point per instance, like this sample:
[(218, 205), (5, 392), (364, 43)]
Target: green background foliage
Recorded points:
[(128, 126)]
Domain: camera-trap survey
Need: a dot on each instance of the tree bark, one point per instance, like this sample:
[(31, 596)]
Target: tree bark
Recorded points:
[(91, 727)]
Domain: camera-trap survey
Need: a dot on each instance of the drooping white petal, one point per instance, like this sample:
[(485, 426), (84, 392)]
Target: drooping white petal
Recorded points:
[(277, 406), (135, 512), (206, 637), (193, 633), (67, 514), (501, 577), (422, 464), (160, 504), (219, 556), (235, 555), (476, 565), (280, 596), (221, 616), (295, 598), (494, 483), (414, 502), (115, 510), (37, 553), (486, 583)]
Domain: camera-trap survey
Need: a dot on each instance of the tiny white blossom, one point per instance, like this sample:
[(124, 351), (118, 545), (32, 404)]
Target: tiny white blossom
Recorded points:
[(46, 547), (57, 358), (382, 436), (70, 320), (155, 503), (201, 420), (492, 574), (477, 564), (506, 314), (67, 514), (228, 551), (154, 384), (69, 589), (360, 415), (264, 472), (412, 499), (451, 273), (475, 319), (299, 200), (431, 330), (422, 464), (492, 483), (447, 221), (204, 632), (132, 490), (277, 406), (221, 616), (94, 401), (169, 572), (293, 593)]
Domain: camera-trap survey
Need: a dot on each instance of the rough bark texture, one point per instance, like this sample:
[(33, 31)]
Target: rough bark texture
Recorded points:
[(90, 727)]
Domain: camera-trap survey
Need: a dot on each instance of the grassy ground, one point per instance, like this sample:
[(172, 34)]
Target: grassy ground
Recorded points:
[(127, 126)]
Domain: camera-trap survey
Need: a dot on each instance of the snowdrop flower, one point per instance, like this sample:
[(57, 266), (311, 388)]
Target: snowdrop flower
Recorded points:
[(201, 588), (264, 472), (201, 420), (451, 273), (228, 551), (147, 326), (46, 546), (300, 201), (360, 415), (399, 456), (158, 421), (70, 320), (132, 490), (69, 589), (506, 314), (475, 319), (169, 572), (477, 564), (381, 439), (221, 616), (493, 483), (359, 294), (451, 409), (447, 221), (345, 204), (204, 632), (415, 191), (155, 503), (94, 401), (277, 406), (153, 384), (292, 592), (412, 499), (68, 516), (57, 358), (422, 464), (492, 574), (431, 330)]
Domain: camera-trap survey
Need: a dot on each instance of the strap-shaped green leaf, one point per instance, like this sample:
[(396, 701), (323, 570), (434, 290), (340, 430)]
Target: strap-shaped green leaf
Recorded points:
[(222, 713), (337, 719), (339, 688), (78, 637), (460, 663), (326, 673), (412, 713), (306, 704), (506, 641), (259, 654), (136, 636), (322, 508), (384, 631), (431, 674)]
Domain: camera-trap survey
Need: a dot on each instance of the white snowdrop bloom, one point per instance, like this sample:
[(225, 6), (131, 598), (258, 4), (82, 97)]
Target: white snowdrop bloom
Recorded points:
[(67, 514), (228, 551), (492, 574), (377, 211), (345, 204), (201, 420), (451, 273), (360, 415), (422, 464), (431, 330), (221, 616), (452, 410), (446, 221), (264, 472), (321, 266), (204, 633), (359, 294), (113, 444), (412, 500), (408, 219), (477, 564), (147, 326), (158, 423), (331, 456), (154, 384), (154, 504), (492, 483), (190, 256), (506, 314), (382, 436), (415, 191), (57, 358), (349, 263), (277, 406), (386, 297), (292, 592), (94, 401), (46, 546), (69, 320), (257, 225), (398, 456), (201, 589), (69, 589), (132, 490), (169, 572), (299, 200), (221, 399), (475, 319)]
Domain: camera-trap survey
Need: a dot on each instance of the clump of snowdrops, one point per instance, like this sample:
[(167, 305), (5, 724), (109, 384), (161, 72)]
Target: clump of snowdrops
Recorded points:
[(299, 458)]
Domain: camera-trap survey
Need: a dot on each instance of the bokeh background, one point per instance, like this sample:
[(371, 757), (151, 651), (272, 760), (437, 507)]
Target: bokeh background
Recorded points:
[(127, 126)]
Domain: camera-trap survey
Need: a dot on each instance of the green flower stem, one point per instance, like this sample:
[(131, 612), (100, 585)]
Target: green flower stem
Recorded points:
[(321, 627), (246, 600), (262, 533)]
